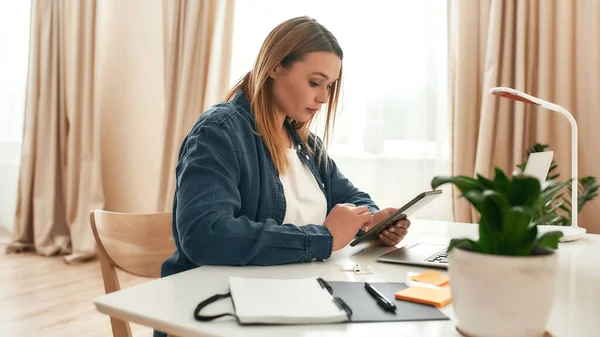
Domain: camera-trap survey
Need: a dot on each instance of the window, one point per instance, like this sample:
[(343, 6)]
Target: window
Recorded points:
[(14, 36), (393, 125), (14, 57)]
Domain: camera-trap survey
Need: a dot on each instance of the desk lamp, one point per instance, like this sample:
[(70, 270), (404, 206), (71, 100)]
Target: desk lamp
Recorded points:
[(573, 232)]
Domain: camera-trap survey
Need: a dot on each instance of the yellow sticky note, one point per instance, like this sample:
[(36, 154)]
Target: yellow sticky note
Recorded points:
[(436, 297), (431, 277)]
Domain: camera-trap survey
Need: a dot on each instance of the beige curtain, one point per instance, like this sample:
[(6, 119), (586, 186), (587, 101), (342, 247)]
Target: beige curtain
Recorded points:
[(198, 38), (59, 181), (549, 49)]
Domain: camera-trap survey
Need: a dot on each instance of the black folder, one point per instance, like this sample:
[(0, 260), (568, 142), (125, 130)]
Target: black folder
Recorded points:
[(365, 308)]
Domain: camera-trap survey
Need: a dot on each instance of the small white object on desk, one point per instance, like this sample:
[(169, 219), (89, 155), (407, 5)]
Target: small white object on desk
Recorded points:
[(359, 270)]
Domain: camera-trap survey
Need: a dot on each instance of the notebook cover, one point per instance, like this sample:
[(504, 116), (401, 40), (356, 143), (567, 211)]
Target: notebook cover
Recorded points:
[(365, 308)]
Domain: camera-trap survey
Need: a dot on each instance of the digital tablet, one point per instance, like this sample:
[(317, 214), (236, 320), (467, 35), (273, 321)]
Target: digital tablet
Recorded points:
[(403, 212)]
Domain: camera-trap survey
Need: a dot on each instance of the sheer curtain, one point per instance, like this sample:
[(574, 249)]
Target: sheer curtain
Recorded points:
[(392, 135), (14, 39)]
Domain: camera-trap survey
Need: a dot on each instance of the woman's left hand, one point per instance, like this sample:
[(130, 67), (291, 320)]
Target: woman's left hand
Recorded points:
[(392, 235)]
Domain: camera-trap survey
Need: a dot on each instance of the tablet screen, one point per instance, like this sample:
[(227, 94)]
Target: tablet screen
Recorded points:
[(405, 211)]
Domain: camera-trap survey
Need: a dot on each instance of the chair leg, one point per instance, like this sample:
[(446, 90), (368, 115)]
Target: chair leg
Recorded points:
[(111, 284), (120, 328)]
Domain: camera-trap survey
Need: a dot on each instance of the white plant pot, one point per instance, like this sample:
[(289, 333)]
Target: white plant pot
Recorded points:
[(502, 296)]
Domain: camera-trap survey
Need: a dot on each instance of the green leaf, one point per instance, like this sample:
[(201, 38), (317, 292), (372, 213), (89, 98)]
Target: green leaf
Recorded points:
[(589, 180), (501, 183), (486, 183), (488, 237), (525, 244), (564, 208), (550, 239), (471, 244), (526, 190), (550, 214), (487, 208), (463, 183), (516, 222), (550, 191), (589, 190), (500, 177), (476, 199), (499, 199), (556, 221), (553, 209), (549, 217), (494, 206)]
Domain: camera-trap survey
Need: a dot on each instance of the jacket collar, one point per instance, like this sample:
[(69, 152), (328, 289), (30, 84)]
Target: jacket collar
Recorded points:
[(242, 101)]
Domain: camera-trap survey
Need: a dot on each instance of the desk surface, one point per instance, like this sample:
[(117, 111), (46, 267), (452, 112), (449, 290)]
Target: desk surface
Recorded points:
[(167, 304)]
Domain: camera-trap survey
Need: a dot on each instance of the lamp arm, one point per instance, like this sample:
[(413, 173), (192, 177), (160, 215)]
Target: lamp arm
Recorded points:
[(574, 160), (574, 150)]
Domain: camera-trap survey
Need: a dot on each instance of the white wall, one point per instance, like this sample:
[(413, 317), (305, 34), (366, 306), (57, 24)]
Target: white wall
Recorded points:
[(14, 33)]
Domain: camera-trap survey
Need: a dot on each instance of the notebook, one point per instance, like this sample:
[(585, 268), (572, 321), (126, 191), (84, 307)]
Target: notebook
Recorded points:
[(278, 301), (313, 301)]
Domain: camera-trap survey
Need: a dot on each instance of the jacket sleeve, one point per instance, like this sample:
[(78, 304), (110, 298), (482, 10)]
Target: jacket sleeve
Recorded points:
[(343, 191), (208, 200)]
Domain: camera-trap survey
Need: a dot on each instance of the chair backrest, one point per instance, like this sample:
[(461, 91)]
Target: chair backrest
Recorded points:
[(135, 243)]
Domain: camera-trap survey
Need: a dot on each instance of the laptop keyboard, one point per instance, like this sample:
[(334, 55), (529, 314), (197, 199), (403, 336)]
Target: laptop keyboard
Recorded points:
[(440, 257)]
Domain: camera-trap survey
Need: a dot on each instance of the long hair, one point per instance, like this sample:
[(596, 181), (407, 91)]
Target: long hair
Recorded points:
[(289, 42)]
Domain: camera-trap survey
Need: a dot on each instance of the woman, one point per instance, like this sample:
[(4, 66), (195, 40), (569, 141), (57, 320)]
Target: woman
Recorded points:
[(254, 186)]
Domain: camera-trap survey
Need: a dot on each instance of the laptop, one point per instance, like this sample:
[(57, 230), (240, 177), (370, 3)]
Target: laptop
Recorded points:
[(432, 251)]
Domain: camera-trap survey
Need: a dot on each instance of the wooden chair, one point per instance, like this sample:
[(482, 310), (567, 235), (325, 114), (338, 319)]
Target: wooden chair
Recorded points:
[(134, 243)]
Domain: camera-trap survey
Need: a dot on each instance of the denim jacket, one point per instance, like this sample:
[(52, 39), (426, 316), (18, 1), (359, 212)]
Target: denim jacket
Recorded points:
[(229, 204)]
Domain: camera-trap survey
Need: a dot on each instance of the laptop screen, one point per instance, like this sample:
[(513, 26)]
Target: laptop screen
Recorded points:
[(538, 165)]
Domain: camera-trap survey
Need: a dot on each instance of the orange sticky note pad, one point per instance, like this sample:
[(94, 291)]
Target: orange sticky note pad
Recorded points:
[(436, 297), (431, 277)]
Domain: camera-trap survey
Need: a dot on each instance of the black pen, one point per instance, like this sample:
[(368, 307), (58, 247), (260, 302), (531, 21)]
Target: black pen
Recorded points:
[(381, 300)]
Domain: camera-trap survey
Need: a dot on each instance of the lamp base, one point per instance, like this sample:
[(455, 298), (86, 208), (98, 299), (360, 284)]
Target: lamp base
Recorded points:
[(569, 233)]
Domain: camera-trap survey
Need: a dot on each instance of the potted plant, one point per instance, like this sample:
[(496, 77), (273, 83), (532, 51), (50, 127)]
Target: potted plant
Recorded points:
[(559, 204), (502, 282)]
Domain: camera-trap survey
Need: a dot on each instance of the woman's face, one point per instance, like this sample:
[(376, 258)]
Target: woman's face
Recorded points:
[(303, 88)]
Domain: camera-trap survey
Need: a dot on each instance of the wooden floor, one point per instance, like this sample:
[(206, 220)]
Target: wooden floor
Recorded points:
[(43, 296)]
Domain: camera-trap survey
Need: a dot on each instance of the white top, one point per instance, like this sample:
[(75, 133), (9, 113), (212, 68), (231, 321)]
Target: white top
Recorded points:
[(305, 202)]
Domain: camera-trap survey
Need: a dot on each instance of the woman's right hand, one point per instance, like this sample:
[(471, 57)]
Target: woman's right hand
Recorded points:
[(344, 221)]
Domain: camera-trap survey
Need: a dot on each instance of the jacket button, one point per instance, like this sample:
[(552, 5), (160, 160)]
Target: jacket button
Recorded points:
[(299, 147), (307, 157), (323, 185)]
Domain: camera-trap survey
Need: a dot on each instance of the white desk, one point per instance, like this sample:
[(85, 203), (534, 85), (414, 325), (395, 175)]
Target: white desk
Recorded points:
[(167, 304)]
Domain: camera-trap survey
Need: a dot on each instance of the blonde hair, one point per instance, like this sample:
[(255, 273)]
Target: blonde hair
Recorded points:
[(284, 45)]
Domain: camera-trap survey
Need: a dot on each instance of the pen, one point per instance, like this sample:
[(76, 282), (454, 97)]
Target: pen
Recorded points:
[(381, 300)]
